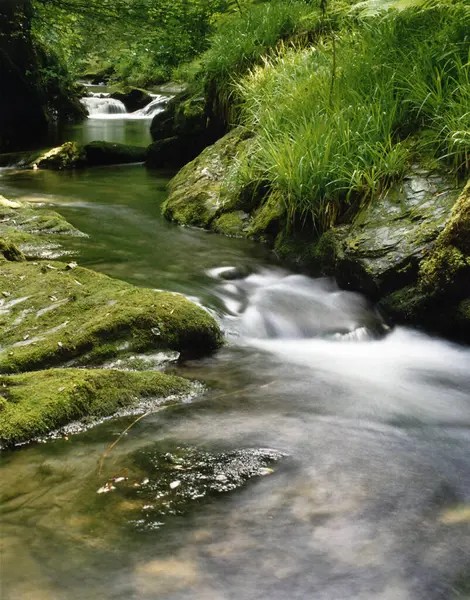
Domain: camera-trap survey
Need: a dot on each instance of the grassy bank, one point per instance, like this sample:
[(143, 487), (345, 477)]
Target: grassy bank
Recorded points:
[(342, 102), (338, 121)]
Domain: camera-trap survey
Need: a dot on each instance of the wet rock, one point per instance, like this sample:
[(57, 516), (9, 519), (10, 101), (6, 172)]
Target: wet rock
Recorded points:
[(133, 98), (381, 251), (439, 297), (198, 194), (68, 156), (32, 231), (180, 132), (192, 474)]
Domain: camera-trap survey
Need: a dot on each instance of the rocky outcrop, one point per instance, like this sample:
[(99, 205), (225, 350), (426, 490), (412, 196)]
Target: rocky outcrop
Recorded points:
[(382, 249), (403, 250)]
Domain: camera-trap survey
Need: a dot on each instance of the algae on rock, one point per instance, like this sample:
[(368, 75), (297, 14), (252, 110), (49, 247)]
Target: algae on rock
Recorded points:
[(33, 404)]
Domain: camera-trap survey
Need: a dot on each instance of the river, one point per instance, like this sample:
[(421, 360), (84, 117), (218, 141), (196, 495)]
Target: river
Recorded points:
[(371, 498)]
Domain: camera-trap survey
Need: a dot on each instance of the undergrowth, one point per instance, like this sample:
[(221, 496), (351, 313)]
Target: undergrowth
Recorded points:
[(338, 121)]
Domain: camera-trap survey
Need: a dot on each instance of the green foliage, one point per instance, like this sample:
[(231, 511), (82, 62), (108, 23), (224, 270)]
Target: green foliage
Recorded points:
[(143, 39), (333, 120), (244, 39)]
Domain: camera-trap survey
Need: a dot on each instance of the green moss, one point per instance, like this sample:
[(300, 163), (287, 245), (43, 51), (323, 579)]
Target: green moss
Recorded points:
[(232, 224), (67, 156), (52, 315), (268, 218), (447, 268), (10, 251), (32, 404), (33, 231), (107, 153), (198, 194)]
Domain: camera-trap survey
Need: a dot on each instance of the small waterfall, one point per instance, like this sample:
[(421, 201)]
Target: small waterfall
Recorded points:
[(154, 107), (103, 106)]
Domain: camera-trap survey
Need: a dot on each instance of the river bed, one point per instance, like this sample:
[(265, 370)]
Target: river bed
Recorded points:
[(371, 498)]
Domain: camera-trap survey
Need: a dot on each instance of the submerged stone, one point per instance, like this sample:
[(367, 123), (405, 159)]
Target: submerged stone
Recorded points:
[(178, 480), (111, 153), (33, 404)]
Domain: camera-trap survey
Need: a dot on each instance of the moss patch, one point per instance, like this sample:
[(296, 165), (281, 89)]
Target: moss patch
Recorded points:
[(268, 218), (107, 153), (446, 271), (50, 314), (232, 224), (32, 404), (67, 156), (33, 232)]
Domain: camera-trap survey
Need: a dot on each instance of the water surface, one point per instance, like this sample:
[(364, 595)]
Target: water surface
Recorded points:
[(372, 499)]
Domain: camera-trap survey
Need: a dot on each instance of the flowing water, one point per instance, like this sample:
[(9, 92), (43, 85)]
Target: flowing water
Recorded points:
[(367, 495)]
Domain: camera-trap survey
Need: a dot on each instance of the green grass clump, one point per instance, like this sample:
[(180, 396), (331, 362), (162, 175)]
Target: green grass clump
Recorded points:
[(243, 39), (32, 404), (338, 122)]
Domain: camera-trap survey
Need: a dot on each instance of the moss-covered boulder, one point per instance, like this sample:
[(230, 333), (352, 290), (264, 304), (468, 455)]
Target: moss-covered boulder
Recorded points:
[(110, 153), (439, 298), (30, 231), (69, 155), (52, 313), (199, 194), (33, 404), (133, 98)]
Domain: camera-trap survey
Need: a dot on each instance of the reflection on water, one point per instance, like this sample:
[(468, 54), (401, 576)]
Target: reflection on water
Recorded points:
[(372, 500)]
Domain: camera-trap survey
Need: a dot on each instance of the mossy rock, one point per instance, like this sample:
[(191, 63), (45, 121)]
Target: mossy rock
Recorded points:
[(33, 404), (52, 313), (10, 251), (198, 193), (232, 224), (268, 219), (411, 306), (34, 233), (133, 98), (446, 271), (180, 132), (382, 250), (68, 156), (110, 153)]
